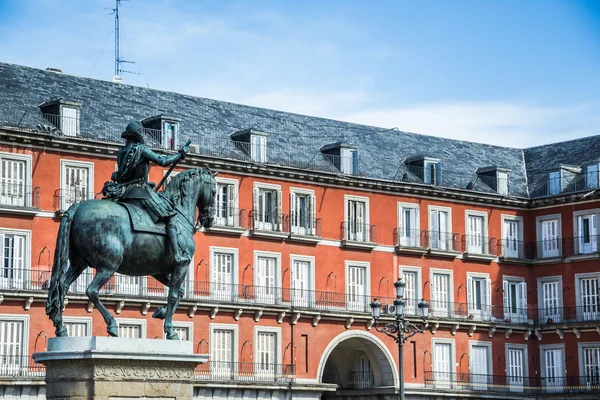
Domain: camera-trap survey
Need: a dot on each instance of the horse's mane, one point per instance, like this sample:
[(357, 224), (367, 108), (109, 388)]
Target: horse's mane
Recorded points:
[(177, 188)]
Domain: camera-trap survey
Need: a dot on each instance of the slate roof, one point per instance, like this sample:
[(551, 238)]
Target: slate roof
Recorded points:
[(293, 139)]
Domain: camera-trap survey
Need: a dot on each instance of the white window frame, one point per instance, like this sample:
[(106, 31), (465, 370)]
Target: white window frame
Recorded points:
[(311, 276), (260, 141), (556, 318), (134, 321), (312, 209), (412, 241), (78, 320), (427, 162), (27, 181), (580, 347), (165, 137), (500, 188), (418, 286), (277, 225), (26, 273), (517, 346), (520, 233), (591, 174), (579, 295), (75, 164), (189, 325), (269, 254), (367, 216), (486, 313), (450, 273), (452, 344), (480, 385), (234, 252), (484, 229), (278, 341), (538, 230), (448, 211), (543, 348), (64, 120), (224, 372), (552, 181), (362, 264), (576, 236), (20, 318), (519, 318), (236, 200)]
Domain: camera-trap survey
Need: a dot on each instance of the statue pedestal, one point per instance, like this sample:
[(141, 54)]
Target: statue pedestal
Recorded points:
[(107, 368)]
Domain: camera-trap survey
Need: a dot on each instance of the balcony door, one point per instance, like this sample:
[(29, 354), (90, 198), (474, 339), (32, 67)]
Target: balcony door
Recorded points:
[(589, 298), (475, 241), (479, 366), (439, 230), (554, 377), (222, 277), (356, 288), (591, 366), (587, 235), (479, 297), (76, 185), (222, 354), (410, 292), (408, 233), (356, 229), (301, 294), (265, 280), (516, 369), (550, 238), (551, 310), (266, 353), (12, 270), (225, 211), (440, 295), (442, 354), (11, 347), (511, 239), (12, 183)]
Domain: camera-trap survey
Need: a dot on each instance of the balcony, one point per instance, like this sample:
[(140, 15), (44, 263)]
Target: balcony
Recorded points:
[(515, 251), (409, 241), (65, 198), (479, 247), (20, 367), (225, 371), (358, 236), (24, 279), (267, 224), (467, 382), (441, 244), (19, 199), (302, 228), (583, 246), (572, 315), (229, 220), (353, 380), (549, 249)]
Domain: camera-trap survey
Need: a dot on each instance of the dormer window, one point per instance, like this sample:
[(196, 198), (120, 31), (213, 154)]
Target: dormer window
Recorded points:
[(554, 182), (496, 178), (251, 142), (63, 114), (162, 131), (428, 169), (343, 156), (563, 179), (591, 176), (432, 172)]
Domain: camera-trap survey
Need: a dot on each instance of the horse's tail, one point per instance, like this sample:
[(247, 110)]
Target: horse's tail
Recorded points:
[(58, 290)]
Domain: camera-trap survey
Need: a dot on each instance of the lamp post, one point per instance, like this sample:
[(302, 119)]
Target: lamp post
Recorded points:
[(400, 330)]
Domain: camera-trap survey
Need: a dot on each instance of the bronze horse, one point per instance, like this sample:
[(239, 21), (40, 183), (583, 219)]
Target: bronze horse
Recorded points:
[(98, 234)]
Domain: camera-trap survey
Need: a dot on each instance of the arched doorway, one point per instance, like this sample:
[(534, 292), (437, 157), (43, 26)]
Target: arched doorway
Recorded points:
[(356, 361)]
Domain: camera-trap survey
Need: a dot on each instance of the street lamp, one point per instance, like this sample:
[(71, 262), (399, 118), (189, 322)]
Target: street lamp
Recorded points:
[(400, 330)]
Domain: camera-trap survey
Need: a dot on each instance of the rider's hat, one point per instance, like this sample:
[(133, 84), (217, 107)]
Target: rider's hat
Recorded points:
[(135, 131)]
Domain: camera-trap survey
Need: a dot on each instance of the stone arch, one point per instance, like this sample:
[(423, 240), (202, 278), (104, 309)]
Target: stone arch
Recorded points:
[(379, 355)]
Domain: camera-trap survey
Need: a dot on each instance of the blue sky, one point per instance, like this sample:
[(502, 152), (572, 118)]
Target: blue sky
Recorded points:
[(512, 73)]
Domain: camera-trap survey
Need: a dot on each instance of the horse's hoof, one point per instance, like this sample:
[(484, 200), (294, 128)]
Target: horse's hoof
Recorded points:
[(62, 332), (172, 335), (113, 331), (160, 313)]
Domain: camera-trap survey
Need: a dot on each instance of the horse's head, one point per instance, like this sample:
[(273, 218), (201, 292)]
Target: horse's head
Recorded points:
[(206, 198)]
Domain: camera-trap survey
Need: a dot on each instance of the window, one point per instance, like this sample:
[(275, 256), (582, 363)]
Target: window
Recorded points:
[(267, 207), (549, 236), (554, 182), (129, 285), (258, 148), (77, 326), (76, 183), (586, 231), (131, 328), (440, 227), (515, 299), (443, 361), (480, 359), (69, 121), (14, 180), (224, 267), (516, 366), (512, 234), (169, 132), (589, 363), (409, 234), (266, 277), (302, 280), (479, 296), (185, 330), (357, 295), (349, 161), (550, 299), (432, 172), (591, 176), (412, 290), (302, 212), (357, 219), (266, 351), (587, 296), (13, 342), (441, 292), (223, 350), (502, 184), (553, 367), (226, 201), (14, 270), (476, 239)]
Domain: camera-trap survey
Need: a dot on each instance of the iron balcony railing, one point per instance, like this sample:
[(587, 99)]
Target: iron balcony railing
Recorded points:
[(18, 195), (441, 241), (409, 237), (20, 366), (358, 380), (543, 186), (358, 232), (268, 221), (479, 244), (230, 217), (246, 371), (582, 245), (24, 279), (302, 225), (558, 315), (516, 249), (442, 380), (549, 248), (65, 198)]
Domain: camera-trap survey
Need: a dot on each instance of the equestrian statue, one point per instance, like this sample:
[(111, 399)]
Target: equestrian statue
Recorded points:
[(135, 230)]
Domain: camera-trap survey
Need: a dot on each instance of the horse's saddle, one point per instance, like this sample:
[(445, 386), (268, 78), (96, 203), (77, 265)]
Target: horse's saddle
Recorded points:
[(141, 221)]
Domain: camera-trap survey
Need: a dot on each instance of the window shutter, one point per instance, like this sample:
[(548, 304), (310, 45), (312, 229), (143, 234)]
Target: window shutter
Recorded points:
[(278, 195), (313, 215), (470, 294), (523, 296), (293, 213), (360, 228), (255, 207), (505, 295), (488, 294), (231, 199)]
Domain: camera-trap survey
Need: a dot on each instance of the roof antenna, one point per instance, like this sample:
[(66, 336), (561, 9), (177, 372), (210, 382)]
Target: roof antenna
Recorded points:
[(118, 60)]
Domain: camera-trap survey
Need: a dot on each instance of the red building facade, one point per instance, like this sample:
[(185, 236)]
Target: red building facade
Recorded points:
[(279, 288)]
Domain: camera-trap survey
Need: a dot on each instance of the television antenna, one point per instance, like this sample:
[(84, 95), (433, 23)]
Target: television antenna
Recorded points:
[(118, 77)]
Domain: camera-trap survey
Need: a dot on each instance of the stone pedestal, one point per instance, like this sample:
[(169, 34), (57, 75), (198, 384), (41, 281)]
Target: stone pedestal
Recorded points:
[(106, 368)]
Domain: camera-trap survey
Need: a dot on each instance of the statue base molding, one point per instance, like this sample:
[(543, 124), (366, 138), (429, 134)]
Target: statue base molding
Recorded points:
[(108, 368)]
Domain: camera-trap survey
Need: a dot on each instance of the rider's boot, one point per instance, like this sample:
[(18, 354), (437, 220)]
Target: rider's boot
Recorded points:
[(173, 237)]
